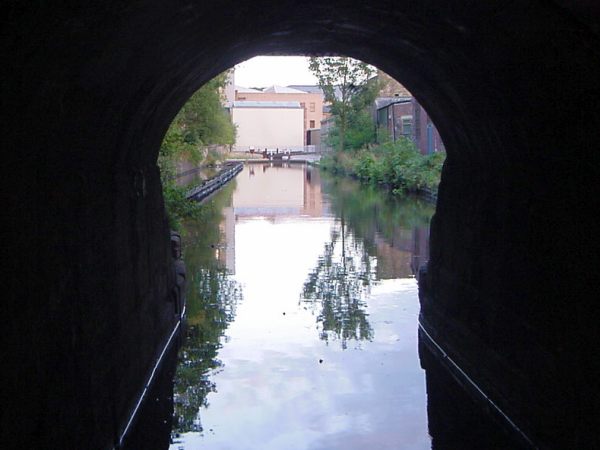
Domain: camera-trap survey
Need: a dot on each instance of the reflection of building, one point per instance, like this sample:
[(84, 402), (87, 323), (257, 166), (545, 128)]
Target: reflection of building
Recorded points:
[(226, 255), (265, 190), (403, 254), (313, 198), (420, 249), (274, 193), (392, 261)]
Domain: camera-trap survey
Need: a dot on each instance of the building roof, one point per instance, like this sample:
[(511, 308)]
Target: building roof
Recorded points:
[(283, 90), (257, 104), (310, 88), (242, 89), (383, 102)]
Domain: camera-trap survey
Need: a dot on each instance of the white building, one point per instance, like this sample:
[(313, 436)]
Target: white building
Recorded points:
[(228, 93), (268, 124)]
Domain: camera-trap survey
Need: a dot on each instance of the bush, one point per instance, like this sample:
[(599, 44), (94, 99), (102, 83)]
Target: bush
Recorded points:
[(178, 207), (398, 166)]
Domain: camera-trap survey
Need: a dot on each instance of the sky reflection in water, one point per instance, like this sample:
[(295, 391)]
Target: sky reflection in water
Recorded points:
[(322, 349)]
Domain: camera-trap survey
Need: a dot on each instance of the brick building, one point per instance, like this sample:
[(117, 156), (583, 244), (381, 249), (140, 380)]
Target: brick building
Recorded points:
[(399, 114)]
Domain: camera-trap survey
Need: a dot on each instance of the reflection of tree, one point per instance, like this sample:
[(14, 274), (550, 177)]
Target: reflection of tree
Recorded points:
[(218, 296), (339, 285), (343, 276), (373, 215), (212, 298), (371, 211)]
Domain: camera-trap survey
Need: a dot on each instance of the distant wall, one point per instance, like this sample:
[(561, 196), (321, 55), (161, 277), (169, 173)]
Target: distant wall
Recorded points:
[(269, 127), (312, 104)]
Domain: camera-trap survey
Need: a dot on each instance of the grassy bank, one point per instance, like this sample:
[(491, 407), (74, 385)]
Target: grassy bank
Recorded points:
[(395, 166)]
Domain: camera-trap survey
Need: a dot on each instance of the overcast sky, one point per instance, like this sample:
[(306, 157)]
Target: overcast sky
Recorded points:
[(263, 71)]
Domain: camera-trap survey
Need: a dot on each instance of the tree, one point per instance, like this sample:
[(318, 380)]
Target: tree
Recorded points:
[(201, 122), (348, 87)]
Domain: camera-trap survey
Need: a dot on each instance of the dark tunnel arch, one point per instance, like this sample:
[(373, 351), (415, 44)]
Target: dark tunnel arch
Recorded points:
[(90, 91)]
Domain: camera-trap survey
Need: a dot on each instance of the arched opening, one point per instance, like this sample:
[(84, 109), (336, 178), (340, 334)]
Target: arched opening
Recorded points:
[(280, 231), (512, 89)]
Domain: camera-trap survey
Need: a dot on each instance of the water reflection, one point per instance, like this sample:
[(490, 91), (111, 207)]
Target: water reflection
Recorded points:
[(190, 175), (339, 285), (260, 370), (392, 243), (395, 230), (212, 299), (257, 371)]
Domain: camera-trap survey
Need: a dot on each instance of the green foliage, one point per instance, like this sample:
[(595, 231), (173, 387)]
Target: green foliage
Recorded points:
[(359, 132), (178, 207), (371, 212), (201, 122), (396, 165), (348, 86)]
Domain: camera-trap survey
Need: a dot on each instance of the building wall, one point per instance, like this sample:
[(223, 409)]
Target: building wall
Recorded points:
[(268, 127), (229, 91), (313, 137), (326, 125), (391, 87), (409, 119), (312, 104)]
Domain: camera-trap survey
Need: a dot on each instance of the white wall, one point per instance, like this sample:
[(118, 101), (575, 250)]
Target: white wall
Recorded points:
[(230, 88), (269, 127)]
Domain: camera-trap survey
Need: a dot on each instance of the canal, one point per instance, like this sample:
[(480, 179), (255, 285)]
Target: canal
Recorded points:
[(303, 322)]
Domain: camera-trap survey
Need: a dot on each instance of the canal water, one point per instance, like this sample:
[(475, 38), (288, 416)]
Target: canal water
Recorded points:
[(302, 318)]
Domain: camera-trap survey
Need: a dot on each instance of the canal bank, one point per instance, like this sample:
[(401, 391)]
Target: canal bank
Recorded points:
[(206, 187)]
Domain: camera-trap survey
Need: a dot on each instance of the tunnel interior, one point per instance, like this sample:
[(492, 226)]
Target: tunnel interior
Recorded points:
[(90, 90)]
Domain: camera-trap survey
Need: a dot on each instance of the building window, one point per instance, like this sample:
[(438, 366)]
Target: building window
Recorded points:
[(312, 124), (312, 106), (407, 122)]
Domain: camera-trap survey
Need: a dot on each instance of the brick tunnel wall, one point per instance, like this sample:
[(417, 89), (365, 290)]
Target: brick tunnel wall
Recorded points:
[(90, 90)]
